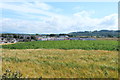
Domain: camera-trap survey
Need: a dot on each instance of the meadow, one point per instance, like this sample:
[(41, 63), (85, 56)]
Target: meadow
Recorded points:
[(66, 44), (58, 63)]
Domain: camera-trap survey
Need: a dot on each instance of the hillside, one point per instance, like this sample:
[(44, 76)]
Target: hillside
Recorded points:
[(101, 33)]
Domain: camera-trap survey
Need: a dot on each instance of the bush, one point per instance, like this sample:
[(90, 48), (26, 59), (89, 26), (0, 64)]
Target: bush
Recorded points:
[(10, 74)]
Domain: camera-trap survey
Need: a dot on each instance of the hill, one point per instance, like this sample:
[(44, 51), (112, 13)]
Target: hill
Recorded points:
[(101, 33)]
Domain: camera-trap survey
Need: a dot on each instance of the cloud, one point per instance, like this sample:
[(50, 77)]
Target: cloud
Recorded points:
[(84, 13), (60, 24), (38, 5), (45, 21), (109, 20), (26, 8)]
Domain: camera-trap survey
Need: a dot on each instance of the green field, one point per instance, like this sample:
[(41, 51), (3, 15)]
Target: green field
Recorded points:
[(66, 44)]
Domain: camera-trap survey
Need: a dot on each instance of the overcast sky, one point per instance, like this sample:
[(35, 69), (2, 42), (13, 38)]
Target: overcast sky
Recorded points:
[(58, 17)]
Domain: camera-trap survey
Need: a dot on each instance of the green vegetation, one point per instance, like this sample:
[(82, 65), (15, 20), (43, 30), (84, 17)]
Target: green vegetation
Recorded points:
[(66, 44), (61, 59), (98, 34), (10, 74)]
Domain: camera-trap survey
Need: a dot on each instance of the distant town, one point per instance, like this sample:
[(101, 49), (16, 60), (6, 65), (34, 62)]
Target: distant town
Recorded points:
[(86, 35)]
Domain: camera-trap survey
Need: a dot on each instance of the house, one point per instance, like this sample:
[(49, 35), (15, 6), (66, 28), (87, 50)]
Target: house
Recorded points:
[(7, 40), (65, 36), (74, 38), (13, 40)]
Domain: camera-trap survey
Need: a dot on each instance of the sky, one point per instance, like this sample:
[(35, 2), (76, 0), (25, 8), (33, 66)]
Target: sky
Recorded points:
[(57, 17)]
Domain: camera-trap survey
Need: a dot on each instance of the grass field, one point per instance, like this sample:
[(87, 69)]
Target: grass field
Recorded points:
[(58, 63), (66, 44)]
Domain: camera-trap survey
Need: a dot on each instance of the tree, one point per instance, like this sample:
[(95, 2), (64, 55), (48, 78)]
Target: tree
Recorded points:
[(109, 35), (36, 34), (52, 35), (28, 37), (15, 36), (33, 37), (21, 37)]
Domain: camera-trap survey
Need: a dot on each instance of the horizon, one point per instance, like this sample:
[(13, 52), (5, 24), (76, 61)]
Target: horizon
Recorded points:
[(58, 17), (52, 33)]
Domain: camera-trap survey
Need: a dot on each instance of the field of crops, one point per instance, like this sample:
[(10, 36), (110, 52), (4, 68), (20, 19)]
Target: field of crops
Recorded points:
[(58, 63), (66, 44), (62, 59)]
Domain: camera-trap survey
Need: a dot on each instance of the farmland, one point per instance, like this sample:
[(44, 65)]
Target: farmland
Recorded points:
[(58, 63), (62, 59), (66, 44)]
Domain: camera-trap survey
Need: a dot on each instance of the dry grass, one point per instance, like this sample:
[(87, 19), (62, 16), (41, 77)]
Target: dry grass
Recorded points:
[(7, 43), (58, 63)]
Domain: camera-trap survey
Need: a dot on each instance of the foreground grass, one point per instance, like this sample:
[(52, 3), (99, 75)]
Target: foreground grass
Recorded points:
[(66, 44), (56, 63)]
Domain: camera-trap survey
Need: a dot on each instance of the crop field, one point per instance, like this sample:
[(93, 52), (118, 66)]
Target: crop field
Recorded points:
[(62, 59), (66, 44), (59, 63)]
